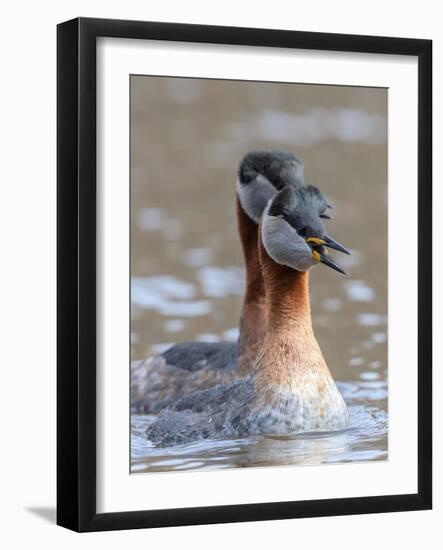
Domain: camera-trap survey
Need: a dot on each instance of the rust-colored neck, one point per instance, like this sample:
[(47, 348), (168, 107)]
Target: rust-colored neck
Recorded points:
[(253, 315), (287, 293), (290, 351)]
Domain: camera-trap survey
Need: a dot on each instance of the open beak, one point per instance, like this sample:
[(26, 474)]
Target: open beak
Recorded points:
[(327, 241), (320, 254)]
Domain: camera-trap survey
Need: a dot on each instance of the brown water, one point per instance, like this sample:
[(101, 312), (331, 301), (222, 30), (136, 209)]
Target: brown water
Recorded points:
[(187, 137)]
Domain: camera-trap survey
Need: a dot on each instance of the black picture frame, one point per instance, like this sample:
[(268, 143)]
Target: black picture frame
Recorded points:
[(76, 278)]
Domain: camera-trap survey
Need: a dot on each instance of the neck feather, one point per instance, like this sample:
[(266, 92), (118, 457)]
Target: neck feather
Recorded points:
[(287, 292), (253, 315), (290, 351)]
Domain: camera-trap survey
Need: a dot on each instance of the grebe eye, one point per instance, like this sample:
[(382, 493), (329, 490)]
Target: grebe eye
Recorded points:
[(303, 232)]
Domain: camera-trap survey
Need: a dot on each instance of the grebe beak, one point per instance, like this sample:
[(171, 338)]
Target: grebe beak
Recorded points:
[(327, 260), (331, 243), (320, 254), (327, 241)]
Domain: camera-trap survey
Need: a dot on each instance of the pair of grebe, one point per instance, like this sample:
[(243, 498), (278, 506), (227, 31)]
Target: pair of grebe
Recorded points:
[(274, 380)]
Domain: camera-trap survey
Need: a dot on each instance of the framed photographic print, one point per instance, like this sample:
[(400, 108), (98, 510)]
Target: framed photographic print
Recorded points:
[(244, 274)]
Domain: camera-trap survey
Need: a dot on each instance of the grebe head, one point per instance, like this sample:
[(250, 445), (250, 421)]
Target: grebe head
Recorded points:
[(292, 231), (262, 174)]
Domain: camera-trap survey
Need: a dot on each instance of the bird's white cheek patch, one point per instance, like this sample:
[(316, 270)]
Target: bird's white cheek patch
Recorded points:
[(284, 245), (254, 196)]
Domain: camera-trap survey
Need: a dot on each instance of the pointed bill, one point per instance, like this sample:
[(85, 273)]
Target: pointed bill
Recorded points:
[(327, 260), (331, 243)]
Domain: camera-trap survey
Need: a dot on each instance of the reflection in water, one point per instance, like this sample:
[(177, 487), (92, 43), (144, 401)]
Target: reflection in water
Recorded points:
[(187, 280)]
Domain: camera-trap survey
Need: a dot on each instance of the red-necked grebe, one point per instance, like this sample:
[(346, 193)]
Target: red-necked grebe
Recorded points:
[(189, 366), (291, 388)]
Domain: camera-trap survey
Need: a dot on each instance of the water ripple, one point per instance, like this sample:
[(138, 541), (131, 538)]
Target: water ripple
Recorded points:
[(313, 126), (364, 440), (168, 296)]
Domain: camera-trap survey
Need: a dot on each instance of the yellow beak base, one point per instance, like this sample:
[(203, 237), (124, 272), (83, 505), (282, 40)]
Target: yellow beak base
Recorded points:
[(315, 240)]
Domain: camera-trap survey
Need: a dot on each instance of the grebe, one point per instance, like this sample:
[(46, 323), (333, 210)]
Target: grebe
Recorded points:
[(189, 366), (291, 388)]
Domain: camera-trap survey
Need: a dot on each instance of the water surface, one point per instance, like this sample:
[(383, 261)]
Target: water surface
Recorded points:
[(187, 137)]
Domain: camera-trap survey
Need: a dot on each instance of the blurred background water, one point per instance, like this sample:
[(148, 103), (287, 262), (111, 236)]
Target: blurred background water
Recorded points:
[(187, 138)]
